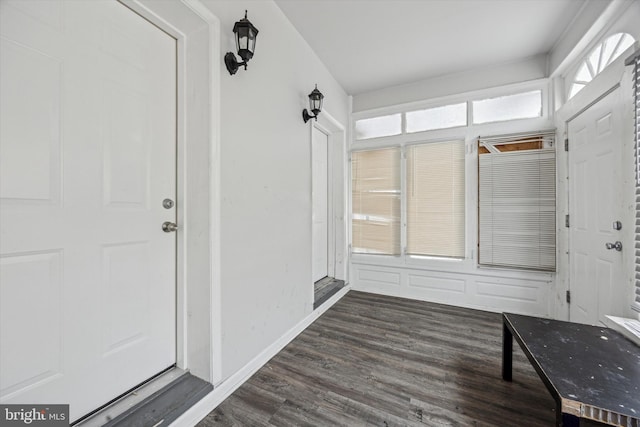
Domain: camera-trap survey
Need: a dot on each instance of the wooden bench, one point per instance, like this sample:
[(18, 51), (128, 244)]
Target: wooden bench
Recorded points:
[(592, 372)]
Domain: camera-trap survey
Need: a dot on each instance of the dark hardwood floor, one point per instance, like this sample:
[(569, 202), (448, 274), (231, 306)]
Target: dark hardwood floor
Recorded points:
[(383, 361)]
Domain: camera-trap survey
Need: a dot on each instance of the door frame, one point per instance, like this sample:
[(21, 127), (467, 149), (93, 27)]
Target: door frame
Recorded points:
[(336, 195), (615, 76), (198, 288), (331, 264)]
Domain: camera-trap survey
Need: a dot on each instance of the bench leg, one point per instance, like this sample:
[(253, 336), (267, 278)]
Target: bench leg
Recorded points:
[(566, 420), (507, 352)]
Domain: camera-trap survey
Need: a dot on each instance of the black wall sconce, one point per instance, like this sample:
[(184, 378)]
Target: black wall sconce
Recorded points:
[(245, 34), (315, 105)]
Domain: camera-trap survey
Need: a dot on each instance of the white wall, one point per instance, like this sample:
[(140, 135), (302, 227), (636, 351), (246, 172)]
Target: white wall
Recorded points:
[(586, 23), (266, 180)]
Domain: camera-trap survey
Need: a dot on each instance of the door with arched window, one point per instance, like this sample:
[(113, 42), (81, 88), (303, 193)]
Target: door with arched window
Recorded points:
[(596, 135)]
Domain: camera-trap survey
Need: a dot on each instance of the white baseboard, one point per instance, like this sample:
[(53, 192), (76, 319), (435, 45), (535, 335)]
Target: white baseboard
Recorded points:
[(208, 403)]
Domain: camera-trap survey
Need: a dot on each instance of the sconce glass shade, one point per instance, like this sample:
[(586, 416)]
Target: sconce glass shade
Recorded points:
[(315, 105), (315, 101), (245, 34)]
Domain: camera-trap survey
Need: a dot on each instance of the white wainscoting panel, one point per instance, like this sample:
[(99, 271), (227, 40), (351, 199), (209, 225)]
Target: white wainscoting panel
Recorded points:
[(490, 290), (374, 276)]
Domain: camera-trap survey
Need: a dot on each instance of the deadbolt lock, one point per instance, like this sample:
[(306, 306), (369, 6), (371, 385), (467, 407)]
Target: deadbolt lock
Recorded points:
[(168, 203)]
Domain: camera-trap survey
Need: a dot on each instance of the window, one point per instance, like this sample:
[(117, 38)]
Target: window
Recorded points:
[(515, 106), (409, 198), (517, 199), (435, 199), (519, 106), (444, 117), (375, 199), (635, 62), (599, 58), (379, 126)]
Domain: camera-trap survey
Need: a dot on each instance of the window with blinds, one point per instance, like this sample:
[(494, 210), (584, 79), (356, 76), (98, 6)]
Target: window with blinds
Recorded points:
[(375, 201), (517, 201), (436, 199), (634, 61)]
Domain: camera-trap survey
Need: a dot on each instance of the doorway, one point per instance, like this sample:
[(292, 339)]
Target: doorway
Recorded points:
[(595, 209), (88, 179), (325, 284), (327, 217), (320, 196)]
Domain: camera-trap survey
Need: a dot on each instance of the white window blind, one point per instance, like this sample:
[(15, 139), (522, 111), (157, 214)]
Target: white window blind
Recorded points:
[(435, 199), (517, 203), (634, 61), (375, 201)]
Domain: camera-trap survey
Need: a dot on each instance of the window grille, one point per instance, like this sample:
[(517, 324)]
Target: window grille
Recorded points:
[(599, 58)]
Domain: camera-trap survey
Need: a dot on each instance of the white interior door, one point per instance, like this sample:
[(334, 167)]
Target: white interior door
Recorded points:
[(87, 154), (320, 195), (595, 143)]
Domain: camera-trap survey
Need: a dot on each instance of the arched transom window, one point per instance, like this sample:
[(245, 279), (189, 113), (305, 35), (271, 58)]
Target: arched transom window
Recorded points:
[(599, 58)]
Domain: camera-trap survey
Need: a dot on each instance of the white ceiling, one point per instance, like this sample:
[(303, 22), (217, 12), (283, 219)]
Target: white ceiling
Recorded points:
[(373, 44)]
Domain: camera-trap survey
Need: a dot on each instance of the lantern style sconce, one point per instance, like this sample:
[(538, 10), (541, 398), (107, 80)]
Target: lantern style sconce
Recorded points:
[(245, 34), (315, 105)]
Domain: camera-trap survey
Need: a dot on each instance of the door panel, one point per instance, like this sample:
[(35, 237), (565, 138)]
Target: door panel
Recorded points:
[(34, 277), (320, 194), (87, 155), (594, 204), (34, 159)]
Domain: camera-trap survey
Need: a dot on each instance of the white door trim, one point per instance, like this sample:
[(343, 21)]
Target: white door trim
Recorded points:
[(199, 336)]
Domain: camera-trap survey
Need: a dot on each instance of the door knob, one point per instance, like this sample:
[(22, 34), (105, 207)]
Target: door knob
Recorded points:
[(169, 227), (617, 246)]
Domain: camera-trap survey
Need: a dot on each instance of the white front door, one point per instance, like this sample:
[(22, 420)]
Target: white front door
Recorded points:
[(595, 143), (87, 152), (320, 195)]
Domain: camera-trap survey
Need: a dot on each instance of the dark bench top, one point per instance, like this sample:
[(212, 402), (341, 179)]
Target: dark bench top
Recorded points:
[(592, 365)]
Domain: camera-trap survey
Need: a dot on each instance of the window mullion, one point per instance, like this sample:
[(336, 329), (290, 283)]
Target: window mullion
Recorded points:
[(403, 201)]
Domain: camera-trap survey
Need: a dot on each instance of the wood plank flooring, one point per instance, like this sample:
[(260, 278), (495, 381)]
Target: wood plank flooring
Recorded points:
[(383, 361)]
